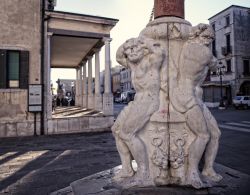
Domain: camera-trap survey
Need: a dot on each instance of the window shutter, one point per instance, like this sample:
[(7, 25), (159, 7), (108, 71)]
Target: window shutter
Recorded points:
[(3, 72), (24, 69)]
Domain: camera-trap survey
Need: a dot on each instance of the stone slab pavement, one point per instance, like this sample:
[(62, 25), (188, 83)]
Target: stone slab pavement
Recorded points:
[(44, 164)]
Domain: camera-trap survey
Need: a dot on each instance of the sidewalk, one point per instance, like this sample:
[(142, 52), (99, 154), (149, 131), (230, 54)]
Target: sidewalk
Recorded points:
[(40, 165)]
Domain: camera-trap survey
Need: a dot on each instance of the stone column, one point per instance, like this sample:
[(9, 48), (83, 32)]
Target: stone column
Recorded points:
[(85, 88), (48, 77), (108, 109), (77, 88), (90, 89), (98, 96), (80, 87)]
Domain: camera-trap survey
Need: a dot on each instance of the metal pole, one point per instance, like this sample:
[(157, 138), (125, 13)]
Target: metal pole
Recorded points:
[(221, 106), (35, 134)]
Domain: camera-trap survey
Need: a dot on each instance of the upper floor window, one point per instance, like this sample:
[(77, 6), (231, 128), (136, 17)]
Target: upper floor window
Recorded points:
[(229, 66), (228, 43), (213, 26), (246, 67), (14, 69), (227, 18), (214, 48)]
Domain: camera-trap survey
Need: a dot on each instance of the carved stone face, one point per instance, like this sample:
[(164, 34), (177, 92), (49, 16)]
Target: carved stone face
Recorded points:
[(207, 36), (134, 50), (206, 39)]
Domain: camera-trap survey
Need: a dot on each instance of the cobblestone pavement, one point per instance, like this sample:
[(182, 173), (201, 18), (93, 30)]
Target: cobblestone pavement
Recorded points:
[(40, 165)]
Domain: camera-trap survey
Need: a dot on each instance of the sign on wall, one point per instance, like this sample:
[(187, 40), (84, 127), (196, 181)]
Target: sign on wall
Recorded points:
[(35, 98)]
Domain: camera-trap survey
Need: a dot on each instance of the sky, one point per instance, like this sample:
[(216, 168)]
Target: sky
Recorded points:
[(133, 16)]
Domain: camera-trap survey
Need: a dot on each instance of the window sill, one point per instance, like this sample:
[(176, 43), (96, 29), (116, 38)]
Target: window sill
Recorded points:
[(9, 90)]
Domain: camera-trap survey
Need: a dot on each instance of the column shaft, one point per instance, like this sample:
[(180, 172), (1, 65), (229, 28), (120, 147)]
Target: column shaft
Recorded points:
[(108, 109), (85, 88), (98, 96), (90, 81)]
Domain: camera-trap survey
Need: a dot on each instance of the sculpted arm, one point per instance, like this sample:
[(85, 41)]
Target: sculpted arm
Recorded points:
[(121, 57)]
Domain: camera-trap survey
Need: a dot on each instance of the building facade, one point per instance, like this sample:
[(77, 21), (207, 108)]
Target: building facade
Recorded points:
[(33, 39), (126, 82), (116, 79), (232, 49)]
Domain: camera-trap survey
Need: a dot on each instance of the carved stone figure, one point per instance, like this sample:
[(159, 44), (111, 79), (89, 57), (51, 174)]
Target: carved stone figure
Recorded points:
[(144, 57), (167, 128), (195, 60)]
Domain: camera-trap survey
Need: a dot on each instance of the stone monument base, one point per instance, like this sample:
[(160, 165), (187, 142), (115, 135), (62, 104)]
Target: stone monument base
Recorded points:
[(234, 182)]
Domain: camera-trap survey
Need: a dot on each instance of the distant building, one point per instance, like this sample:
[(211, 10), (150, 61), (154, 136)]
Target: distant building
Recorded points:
[(232, 48), (126, 82), (116, 79)]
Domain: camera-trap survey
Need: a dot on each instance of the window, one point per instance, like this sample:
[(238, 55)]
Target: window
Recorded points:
[(228, 42), (214, 48), (246, 68), (227, 21), (229, 69), (14, 69), (213, 26)]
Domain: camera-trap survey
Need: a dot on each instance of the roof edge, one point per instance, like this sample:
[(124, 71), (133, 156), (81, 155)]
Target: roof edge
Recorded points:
[(85, 15), (238, 6)]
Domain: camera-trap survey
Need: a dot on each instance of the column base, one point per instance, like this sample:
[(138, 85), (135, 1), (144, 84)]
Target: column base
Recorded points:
[(91, 101), (84, 101), (108, 106), (98, 102)]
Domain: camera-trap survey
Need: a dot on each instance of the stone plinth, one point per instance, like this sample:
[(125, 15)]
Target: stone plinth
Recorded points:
[(234, 182)]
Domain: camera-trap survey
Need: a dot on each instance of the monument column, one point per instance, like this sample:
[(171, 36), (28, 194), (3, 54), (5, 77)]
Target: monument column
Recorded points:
[(90, 81), (98, 96), (169, 8), (84, 83), (107, 96)]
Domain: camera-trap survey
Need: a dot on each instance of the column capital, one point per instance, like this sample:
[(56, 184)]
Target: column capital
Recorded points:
[(49, 34), (106, 39), (96, 50), (84, 62), (89, 57)]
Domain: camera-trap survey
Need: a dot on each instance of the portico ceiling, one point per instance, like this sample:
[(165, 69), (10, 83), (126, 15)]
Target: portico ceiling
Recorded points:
[(75, 36), (68, 52)]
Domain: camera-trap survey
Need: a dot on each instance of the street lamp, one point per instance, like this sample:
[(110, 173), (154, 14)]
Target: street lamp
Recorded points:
[(220, 72)]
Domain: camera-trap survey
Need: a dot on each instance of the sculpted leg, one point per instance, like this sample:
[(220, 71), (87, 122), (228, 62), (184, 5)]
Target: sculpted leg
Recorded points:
[(126, 158), (212, 147), (139, 153), (197, 125)]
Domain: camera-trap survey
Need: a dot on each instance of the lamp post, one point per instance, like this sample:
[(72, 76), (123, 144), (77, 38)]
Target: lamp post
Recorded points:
[(220, 73)]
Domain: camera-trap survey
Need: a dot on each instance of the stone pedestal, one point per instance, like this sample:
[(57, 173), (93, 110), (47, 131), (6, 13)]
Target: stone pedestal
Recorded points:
[(98, 102), (108, 107), (91, 101), (85, 101)]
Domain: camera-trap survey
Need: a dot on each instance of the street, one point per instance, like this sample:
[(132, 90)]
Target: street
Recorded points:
[(43, 164)]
